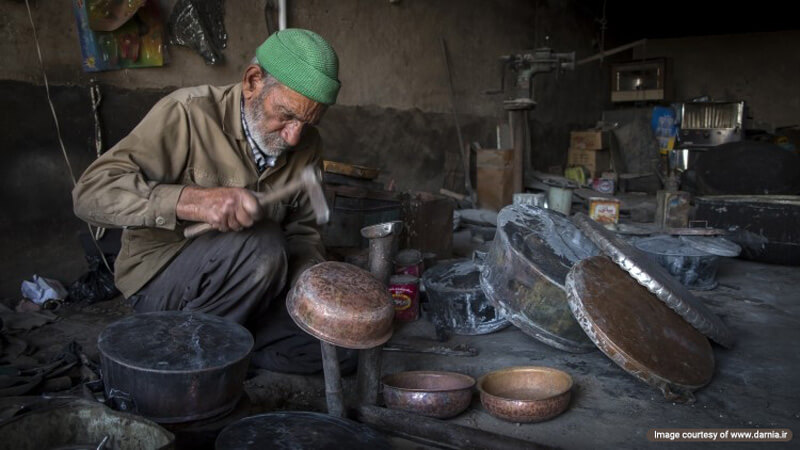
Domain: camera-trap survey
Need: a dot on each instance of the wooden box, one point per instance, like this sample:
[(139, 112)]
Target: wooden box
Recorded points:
[(589, 140), (596, 161), (494, 177)]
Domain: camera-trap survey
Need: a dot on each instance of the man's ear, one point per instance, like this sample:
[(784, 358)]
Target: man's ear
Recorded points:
[(252, 82)]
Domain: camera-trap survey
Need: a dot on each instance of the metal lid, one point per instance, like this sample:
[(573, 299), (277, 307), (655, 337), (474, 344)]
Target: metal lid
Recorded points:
[(408, 257), (714, 245), (668, 246), (657, 280), (175, 341), (636, 330), (299, 430)]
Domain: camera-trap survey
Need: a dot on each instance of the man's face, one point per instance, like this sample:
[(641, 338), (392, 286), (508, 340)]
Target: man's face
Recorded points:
[(276, 117)]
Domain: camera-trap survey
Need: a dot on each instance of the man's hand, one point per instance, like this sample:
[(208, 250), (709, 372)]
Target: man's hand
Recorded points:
[(223, 208)]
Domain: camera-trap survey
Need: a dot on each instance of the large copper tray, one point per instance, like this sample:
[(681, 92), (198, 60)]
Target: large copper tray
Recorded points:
[(637, 331), (657, 280)]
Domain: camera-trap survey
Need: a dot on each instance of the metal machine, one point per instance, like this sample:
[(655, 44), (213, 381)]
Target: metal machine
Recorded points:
[(708, 124), (526, 66)]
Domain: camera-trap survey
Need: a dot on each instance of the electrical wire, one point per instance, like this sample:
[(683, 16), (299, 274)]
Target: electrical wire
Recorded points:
[(58, 128)]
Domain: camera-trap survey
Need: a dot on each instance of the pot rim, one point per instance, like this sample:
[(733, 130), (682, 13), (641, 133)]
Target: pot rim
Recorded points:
[(546, 369), (458, 375)]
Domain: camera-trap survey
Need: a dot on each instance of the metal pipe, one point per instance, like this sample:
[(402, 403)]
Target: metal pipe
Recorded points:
[(333, 380), (613, 51), (382, 245), (281, 14)]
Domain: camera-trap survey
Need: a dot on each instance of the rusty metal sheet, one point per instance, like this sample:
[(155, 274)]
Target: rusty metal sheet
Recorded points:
[(637, 331), (657, 280), (525, 269)]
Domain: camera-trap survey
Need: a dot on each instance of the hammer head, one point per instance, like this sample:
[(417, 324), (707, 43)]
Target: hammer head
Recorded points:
[(312, 186)]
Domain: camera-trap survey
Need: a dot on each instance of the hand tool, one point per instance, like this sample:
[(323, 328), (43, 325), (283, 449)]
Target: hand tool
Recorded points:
[(308, 181)]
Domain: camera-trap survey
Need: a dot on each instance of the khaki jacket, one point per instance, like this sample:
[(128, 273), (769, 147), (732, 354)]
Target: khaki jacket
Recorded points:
[(193, 136)]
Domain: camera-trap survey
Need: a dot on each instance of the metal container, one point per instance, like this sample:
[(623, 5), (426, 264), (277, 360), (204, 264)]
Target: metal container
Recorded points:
[(525, 270), (766, 226), (457, 303), (525, 394), (405, 295), (409, 262), (83, 424), (342, 305), (694, 268), (428, 393), (174, 366)]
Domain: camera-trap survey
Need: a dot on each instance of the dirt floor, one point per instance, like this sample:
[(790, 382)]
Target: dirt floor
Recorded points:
[(754, 385)]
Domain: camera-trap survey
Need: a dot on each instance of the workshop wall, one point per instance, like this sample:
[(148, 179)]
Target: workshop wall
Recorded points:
[(394, 108), (759, 68)]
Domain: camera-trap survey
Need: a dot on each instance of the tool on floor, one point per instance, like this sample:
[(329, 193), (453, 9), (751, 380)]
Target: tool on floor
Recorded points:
[(308, 182), (444, 350), (383, 241)]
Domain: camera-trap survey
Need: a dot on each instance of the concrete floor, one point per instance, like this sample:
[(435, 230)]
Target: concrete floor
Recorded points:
[(754, 385)]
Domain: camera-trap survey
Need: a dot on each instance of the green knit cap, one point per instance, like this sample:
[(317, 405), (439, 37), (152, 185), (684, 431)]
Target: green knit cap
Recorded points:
[(303, 61)]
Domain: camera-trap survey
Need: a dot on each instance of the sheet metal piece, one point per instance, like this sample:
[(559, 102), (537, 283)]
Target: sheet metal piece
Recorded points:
[(525, 270), (637, 331), (657, 280)]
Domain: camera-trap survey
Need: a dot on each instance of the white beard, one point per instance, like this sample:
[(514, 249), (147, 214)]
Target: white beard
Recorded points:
[(271, 144)]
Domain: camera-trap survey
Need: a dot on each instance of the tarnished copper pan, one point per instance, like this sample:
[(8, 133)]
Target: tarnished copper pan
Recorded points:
[(638, 331), (525, 393), (343, 305), (428, 393)]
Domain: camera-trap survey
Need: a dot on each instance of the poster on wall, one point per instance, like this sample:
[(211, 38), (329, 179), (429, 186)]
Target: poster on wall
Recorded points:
[(119, 34)]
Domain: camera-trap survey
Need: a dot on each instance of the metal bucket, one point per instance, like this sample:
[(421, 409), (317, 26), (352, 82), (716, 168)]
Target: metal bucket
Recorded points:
[(694, 268), (457, 302)]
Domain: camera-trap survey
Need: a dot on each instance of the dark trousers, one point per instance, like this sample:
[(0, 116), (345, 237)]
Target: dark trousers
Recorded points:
[(240, 276)]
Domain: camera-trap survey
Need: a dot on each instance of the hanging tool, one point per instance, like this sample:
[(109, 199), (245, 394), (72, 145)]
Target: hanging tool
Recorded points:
[(308, 181), (461, 146)]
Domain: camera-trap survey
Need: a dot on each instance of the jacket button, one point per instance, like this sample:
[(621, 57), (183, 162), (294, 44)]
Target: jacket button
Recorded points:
[(160, 221)]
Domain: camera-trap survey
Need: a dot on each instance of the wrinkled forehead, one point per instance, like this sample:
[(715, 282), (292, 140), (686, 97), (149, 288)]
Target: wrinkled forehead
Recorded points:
[(299, 107)]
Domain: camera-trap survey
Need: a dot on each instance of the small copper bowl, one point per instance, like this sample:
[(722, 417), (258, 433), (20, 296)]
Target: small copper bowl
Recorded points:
[(525, 394), (428, 393)]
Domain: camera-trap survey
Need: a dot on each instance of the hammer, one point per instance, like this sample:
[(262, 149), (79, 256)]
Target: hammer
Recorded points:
[(308, 182)]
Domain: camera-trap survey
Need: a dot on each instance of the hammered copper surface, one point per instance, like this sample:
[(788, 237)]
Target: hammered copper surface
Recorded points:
[(657, 280), (342, 304), (428, 393), (524, 272), (525, 394), (636, 330)]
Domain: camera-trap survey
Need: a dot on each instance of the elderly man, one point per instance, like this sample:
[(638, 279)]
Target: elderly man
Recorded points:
[(196, 157)]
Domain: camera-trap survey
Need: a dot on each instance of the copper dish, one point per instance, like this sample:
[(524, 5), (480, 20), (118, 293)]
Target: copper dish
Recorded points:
[(343, 305), (428, 393), (525, 394)]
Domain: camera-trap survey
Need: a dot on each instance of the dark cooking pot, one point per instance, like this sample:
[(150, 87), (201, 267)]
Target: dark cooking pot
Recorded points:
[(174, 366)]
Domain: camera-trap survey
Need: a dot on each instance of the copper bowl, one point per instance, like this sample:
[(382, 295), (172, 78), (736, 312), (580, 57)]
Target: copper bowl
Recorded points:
[(428, 393), (342, 304), (525, 394)]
